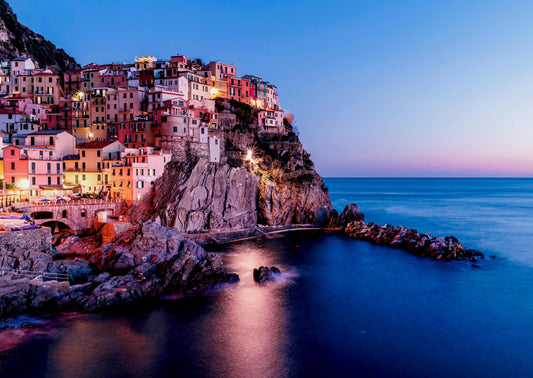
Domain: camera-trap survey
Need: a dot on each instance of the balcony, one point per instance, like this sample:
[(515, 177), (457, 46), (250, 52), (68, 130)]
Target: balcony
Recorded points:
[(47, 173), (40, 158), (85, 170)]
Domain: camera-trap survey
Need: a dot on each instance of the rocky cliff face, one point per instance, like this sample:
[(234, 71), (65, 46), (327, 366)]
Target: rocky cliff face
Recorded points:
[(141, 264), (277, 186), (199, 195), (18, 40)]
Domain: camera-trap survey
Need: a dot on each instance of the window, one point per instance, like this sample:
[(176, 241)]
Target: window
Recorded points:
[(49, 180), (13, 166), (33, 180), (13, 151), (83, 154), (83, 177), (64, 213), (83, 213), (58, 181), (98, 153)]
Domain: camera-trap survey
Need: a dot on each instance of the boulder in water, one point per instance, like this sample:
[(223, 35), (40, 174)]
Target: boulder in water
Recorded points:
[(264, 273)]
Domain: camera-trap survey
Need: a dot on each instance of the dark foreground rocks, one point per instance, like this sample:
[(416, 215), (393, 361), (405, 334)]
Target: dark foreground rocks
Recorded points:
[(264, 273), (142, 264), (447, 248)]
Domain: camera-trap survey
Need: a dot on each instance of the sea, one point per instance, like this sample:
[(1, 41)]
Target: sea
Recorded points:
[(340, 307)]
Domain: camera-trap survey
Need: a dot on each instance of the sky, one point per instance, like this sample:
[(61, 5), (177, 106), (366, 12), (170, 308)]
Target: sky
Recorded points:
[(394, 88)]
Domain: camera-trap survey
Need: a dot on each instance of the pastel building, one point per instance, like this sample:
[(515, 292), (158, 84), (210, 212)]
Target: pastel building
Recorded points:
[(98, 126), (5, 77), (271, 120), (37, 165), (80, 115), (12, 124), (90, 166), (47, 88), (147, 165)]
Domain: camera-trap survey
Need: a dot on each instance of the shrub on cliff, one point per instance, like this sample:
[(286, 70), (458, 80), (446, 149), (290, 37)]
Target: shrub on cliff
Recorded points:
[(245, 114)]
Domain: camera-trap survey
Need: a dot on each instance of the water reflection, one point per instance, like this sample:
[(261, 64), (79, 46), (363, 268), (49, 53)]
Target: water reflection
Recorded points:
[(248, 335), (90, 341)]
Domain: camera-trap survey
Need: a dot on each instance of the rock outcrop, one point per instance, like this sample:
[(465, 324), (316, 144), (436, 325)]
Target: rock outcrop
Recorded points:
[(446, 248), (351, 213), (264, 273), (18, 40), (141, 264), (278, 186), (26, 250), (199, 195)]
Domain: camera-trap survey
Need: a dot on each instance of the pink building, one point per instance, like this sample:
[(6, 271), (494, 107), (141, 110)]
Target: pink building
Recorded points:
[(271, 120), (124, 104), (222, 70), (148, 164), (37, 165), (15, 103)]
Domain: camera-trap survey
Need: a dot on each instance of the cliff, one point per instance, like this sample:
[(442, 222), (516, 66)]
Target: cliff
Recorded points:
[(275, 184), (18, 40)]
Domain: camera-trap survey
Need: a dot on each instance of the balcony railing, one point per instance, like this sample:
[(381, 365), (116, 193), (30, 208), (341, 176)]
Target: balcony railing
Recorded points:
[(85, 170)]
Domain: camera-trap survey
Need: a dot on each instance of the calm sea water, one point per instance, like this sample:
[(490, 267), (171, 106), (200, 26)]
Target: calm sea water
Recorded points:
[(341, 308)]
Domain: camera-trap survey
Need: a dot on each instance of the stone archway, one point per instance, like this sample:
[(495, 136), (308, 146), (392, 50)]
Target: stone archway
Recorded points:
[(56, 226)]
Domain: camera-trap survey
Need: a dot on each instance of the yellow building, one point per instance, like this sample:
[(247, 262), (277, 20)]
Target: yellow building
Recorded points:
[(219, 88), (91, 167)]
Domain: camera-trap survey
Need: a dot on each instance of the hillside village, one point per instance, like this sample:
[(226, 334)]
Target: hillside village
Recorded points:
[(109, 130)]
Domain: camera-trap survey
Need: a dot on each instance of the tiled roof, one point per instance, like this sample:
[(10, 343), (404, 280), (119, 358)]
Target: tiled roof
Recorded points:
[(48, 132), (97, 144)]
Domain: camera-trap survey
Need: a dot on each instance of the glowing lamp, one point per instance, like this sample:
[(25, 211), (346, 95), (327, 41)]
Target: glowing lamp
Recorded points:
[(249, 155)]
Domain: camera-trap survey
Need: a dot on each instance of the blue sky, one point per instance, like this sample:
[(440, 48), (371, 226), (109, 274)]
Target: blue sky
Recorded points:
[(378, 88)]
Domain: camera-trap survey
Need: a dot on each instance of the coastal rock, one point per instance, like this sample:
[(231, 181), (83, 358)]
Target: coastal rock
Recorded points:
[(447, 248), (206, 196), (264, 273), (351, 213), (140, 264)]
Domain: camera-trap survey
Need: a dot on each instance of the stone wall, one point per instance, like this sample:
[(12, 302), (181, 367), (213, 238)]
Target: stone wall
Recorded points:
[(26, 250), (183, 147)]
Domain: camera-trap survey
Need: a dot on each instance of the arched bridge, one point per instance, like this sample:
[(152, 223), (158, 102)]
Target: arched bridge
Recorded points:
[(78, 215)]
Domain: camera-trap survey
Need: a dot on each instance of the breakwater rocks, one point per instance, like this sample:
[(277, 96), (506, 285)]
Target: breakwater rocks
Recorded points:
[(443, 248), (141, 264)]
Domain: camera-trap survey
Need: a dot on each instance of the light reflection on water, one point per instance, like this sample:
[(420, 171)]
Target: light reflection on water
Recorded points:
[(248, 333)]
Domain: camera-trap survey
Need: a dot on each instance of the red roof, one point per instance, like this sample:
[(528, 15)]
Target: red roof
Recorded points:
[(97, 144)]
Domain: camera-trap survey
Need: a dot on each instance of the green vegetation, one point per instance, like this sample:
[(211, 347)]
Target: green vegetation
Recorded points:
[(246, 115)]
